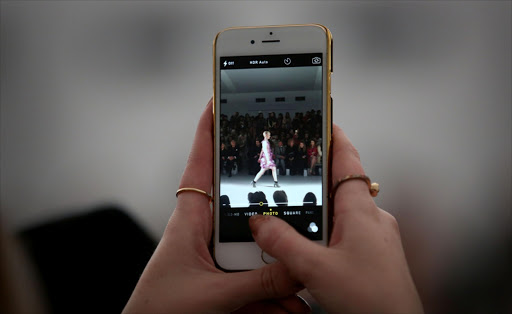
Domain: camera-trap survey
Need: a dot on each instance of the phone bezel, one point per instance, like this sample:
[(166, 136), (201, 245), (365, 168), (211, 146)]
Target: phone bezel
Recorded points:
[(307, 38)]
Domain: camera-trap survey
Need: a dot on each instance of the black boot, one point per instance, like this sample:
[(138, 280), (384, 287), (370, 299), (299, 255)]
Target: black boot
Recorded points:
[(276, 185)]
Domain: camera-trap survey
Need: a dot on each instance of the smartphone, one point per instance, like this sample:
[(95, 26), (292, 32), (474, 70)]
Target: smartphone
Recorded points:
[(272, 135)]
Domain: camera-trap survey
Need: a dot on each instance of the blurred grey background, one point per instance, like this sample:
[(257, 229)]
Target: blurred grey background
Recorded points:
[(100, 100)]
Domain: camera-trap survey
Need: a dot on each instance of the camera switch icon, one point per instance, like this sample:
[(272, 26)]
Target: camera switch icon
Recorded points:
[(316, 60)]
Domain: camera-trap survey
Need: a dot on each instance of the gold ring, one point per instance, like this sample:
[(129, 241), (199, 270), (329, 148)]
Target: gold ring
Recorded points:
[(372, 187), (210, 199)]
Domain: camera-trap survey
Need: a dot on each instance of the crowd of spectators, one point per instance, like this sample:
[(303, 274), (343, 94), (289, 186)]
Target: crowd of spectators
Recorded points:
[(295, 142)]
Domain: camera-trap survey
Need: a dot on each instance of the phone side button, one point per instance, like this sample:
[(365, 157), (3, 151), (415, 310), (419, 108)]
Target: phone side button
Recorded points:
[(332, 117), (267, 259), (332, 58)]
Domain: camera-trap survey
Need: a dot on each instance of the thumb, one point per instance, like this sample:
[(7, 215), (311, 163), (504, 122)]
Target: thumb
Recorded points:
[(276, 237)]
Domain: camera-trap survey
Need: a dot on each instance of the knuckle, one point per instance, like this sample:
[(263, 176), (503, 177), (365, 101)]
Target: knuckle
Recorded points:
[(394, 225), (268, 282), (391, 221)]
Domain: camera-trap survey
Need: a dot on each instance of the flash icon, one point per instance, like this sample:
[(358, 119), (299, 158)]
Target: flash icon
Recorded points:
[(225, 63)]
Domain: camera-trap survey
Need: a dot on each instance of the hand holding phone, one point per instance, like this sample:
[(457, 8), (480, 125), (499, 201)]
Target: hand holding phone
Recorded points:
[(181, 276), (364, 269)]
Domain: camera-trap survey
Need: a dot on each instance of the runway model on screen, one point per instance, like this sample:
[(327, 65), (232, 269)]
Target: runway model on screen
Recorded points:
[(266, 161)]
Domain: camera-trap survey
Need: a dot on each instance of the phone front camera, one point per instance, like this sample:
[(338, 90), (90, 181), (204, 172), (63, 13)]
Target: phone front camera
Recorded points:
[(270, 33), (252, 41)]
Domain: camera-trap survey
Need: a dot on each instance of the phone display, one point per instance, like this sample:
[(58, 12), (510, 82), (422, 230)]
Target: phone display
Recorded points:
[(280, 175), (272, 132)]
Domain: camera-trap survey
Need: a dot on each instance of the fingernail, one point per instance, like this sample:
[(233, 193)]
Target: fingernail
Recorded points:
[(306, 307), (255, 221)]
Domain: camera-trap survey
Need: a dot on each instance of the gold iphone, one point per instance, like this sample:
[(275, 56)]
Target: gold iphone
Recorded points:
[(272, 134)]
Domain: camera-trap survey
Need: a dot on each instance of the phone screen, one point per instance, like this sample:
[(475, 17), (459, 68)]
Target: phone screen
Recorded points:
[(271, 109)]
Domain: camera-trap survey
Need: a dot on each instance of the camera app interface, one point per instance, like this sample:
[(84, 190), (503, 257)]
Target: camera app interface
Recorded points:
[(270, 133)]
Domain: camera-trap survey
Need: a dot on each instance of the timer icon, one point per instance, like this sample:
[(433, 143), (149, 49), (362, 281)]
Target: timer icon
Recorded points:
[(287, 61)]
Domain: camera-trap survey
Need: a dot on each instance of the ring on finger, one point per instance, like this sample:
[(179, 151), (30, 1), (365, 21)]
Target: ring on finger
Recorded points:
[(372, 187), (179, 191)]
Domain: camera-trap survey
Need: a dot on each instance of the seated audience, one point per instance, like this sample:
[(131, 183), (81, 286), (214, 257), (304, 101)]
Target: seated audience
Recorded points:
[(309, 199), (312, 157), (223, 157), (291, 154), (232, 157), (245, 129), (253, 154), (280, 153), (280, 198), (224, 201), (256, 198), (302, 156)]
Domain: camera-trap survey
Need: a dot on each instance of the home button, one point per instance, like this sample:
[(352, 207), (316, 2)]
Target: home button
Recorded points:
[(267, 259)]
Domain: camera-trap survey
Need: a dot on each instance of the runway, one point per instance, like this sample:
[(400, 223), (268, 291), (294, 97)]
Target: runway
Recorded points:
[(239, 186)]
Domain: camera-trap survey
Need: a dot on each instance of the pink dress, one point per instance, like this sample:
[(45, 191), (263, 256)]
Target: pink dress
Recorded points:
[(264, 163)]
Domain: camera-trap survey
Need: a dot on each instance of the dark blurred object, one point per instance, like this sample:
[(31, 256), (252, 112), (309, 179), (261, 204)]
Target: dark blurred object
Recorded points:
[(89, 263), (481, 284)]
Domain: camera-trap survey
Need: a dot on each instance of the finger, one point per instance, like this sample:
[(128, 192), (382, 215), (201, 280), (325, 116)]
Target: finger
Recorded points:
[(345, 156), (269, 282), (280, 240), (290, 304), (267, 306), (346, 162), (294, 304), (192, 209), (198, 172), (352, 196)]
